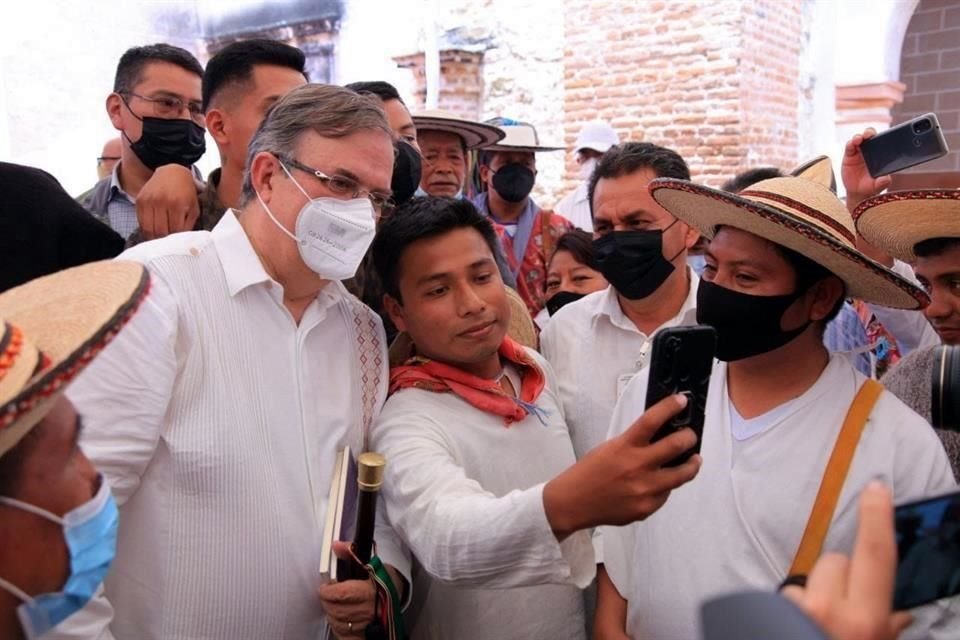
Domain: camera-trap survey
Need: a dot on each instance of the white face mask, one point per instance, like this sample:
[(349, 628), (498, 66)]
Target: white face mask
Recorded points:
[(586, 169), (332, 235)]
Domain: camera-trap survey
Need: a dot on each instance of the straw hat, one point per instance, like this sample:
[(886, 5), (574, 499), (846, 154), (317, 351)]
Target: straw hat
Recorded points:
[(52, 327), (897, 221), (520, 136), (820, 170), (797, 213), (474, 134)]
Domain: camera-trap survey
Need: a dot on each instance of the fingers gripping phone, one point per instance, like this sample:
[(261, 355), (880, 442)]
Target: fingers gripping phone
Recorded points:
[(681, 362), (928, 551), (905, 145)]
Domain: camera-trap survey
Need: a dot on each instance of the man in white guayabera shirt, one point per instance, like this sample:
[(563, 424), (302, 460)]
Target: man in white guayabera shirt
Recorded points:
[(218, 414), (792, 434)]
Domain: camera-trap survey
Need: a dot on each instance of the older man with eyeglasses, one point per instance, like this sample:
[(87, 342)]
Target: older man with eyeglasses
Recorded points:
[(218, 414)]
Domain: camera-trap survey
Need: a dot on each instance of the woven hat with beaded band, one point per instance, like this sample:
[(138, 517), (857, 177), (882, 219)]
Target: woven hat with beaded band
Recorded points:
[(897, 221), (519, 136), (801, 214), (52, 327), (474, 134)]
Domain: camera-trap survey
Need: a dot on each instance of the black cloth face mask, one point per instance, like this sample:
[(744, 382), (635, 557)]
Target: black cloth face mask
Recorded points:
[(164, 141), (514, 182), (407, 170), (561, 299), (746, 325), (633, 262)]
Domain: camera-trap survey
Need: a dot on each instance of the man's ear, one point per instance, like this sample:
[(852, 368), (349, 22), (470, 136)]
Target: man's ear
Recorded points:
[(395, 310), (484, 173), (114, 104), (217, 126), (690, 235), (826, 294), (264, 172)]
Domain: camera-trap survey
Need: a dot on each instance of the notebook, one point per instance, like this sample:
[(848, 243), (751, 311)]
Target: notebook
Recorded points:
[(341, 512)]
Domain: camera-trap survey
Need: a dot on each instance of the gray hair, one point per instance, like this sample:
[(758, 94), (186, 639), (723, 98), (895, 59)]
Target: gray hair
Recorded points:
[(327, 110)]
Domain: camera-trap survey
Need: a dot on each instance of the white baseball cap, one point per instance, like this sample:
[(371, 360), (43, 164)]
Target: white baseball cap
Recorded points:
[(597, 135)]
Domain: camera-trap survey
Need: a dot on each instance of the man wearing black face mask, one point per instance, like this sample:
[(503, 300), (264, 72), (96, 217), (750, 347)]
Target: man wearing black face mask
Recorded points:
[(508, 170), (156, 107), (597, 344), (792, 434)]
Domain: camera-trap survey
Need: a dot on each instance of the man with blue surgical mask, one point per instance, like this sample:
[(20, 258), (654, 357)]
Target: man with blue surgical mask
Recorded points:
[(58, 519)]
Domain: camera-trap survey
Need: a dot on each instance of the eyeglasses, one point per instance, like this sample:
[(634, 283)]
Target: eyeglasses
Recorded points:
[(344, 186), (169, 107)]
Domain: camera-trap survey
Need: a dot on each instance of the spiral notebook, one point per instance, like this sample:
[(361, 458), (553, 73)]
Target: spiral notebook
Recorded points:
[(341, 512)]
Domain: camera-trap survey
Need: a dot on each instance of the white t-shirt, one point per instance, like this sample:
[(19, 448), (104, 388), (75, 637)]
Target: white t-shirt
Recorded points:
[(738, 524)]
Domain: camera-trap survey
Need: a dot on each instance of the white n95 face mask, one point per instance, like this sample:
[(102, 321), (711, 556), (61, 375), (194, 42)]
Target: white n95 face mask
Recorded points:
[(332, 235)]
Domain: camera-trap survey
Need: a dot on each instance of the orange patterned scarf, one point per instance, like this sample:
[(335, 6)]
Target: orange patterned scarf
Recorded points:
[(484, 394)]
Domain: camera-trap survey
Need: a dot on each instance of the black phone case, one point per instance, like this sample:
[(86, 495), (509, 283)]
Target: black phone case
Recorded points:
[(901, 147), (928, 538), (681, 362)]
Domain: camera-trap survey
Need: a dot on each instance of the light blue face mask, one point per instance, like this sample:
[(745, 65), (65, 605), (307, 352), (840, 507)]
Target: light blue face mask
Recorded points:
[(698, 263), (91, 534)]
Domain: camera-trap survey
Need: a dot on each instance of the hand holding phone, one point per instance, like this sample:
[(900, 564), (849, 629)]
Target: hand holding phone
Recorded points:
[(905, 145), (681, 362)]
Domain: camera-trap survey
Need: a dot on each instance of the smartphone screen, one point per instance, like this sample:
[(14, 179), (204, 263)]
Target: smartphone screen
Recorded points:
[(928, 551)]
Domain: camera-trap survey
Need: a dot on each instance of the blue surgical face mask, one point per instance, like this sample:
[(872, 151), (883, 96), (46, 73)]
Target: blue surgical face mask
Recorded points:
[(698, 263), (90, 531)]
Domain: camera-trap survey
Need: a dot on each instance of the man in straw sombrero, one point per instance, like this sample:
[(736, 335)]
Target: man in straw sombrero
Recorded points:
[(781, 260), (58, 519), (508, 171), (219, 413), (445, 140)]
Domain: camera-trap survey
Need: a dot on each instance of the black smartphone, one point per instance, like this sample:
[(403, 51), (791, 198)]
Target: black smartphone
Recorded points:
[(681, 362), (928, 551), (905, 145)]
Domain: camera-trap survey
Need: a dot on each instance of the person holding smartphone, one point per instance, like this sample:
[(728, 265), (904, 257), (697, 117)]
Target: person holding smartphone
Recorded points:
[(792, 434)]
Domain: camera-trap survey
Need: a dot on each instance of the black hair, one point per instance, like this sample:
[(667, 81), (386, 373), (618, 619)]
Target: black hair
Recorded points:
[(630, 157), (233, 65), (418, 219), (750, 177), (134, 60), (579, 244), (935, 247), (383, 90)]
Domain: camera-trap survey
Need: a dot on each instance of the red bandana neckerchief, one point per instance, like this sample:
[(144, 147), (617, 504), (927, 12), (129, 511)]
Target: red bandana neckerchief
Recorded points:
[(484, 394)]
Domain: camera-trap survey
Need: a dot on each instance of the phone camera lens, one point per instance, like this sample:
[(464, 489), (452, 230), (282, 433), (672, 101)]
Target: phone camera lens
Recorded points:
[(922, 127)]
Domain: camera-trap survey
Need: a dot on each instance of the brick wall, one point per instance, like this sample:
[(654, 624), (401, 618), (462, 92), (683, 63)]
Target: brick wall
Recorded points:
[(717, 82), (930, 69), (461, 81)]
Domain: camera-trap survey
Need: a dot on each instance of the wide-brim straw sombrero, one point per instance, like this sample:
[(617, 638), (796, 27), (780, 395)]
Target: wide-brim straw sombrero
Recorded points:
[(897, 221), (52, 328), (820, 170), (474, 134), (521, 137), (797, 213)]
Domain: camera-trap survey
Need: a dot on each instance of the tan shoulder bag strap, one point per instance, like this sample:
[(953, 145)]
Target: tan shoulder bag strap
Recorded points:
[(546, 238), (834, 477)]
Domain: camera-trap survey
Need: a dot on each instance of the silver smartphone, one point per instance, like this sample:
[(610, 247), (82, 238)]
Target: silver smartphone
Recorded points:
[(905, 145)]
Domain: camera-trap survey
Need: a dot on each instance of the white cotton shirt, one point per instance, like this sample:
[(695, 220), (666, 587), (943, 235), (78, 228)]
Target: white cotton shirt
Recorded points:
[(595, 349), (217, 420), (575, 207), (738, 524), (465, 493)]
